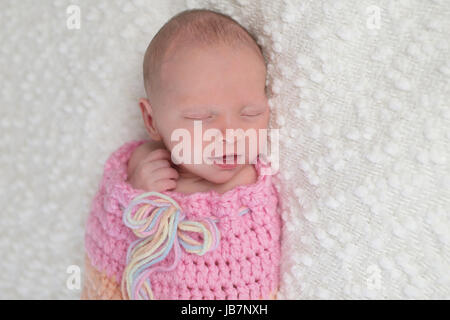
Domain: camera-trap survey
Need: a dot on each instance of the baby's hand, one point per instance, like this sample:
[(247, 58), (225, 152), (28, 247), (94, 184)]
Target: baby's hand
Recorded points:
[(154, 173)]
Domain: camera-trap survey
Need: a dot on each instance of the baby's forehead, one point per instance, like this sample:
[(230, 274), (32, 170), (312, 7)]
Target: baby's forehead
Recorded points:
[(193, 28)]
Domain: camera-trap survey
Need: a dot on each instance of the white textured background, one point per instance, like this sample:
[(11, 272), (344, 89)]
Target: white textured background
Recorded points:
[(365, 128)]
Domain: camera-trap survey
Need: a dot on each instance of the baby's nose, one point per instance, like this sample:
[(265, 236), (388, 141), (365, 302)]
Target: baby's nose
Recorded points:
[(230, 138), (234, 129)]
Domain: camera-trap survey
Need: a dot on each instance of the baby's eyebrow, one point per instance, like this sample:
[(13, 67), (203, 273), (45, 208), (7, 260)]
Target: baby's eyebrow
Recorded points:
[(206, 108), (197, 109)]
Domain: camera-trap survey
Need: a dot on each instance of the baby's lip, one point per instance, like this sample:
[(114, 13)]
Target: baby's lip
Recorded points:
[(226, 156)]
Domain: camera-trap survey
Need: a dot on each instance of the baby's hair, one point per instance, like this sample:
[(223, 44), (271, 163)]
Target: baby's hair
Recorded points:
[(200, 26)]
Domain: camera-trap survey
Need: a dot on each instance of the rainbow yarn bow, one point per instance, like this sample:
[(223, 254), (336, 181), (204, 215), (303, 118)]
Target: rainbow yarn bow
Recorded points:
[(160, 224)]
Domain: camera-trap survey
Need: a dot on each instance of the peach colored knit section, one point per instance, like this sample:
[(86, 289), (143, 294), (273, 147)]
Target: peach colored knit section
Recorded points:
[(98, 286), (245, 265)]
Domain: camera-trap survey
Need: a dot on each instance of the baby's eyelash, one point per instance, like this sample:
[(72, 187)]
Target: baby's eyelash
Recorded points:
[(252, 115), (207, 117), (199, 118)]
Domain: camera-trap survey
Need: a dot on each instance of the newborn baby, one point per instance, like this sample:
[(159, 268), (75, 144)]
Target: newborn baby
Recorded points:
[(200, 68)]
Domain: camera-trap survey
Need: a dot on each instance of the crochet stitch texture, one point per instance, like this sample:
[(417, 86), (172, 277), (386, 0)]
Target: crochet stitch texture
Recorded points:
[(245, 265)]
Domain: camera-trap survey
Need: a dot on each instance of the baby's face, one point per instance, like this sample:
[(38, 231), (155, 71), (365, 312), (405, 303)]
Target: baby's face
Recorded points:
[(221, 87)]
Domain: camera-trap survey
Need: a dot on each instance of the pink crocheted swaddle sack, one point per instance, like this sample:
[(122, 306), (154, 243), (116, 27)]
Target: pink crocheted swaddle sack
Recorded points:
[(172, 245)]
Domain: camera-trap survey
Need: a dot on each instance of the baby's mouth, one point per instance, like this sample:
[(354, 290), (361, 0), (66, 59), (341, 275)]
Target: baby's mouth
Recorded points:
[(232, 158)]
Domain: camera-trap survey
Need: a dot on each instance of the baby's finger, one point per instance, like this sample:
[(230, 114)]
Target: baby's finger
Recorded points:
[(165, 173), (155, 165), (157, 154), (165, 184)]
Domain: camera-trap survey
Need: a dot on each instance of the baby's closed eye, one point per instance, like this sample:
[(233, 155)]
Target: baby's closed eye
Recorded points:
[(252, 114), (199, 117), (210, 116)]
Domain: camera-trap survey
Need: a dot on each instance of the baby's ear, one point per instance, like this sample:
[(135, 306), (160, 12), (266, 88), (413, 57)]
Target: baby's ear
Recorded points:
[(147, 115)]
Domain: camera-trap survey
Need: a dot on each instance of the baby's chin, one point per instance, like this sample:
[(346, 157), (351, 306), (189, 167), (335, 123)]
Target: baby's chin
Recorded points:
[(217, 175), (221, 176)]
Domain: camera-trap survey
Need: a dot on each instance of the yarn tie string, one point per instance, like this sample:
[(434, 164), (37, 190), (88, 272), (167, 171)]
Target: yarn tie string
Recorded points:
[(161, 226)]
